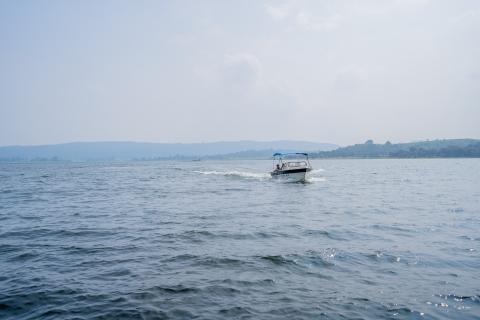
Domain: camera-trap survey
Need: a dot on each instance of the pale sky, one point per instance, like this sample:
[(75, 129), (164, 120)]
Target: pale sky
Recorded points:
[(199, 71)]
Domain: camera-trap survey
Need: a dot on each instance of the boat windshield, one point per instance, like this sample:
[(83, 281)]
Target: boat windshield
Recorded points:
[(283, 162), (296, 164)]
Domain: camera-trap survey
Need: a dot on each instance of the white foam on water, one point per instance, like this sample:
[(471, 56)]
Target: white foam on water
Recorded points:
[(316, 176), (316, 179), (313, 176), (316, 171), (241, 174)]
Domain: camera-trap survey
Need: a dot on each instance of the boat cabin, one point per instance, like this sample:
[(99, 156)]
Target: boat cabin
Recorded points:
[(289, 162)]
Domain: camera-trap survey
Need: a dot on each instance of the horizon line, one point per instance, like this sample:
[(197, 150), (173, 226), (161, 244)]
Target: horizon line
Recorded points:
[(221, 141), (150, 142)]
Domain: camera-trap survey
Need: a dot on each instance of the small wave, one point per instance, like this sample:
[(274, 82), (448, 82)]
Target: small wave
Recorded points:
[(379, 256), (236, 189), (316, 176), (25, 256), (277, 259), (248, 283), (317, 232), (475, 299), (45, 232), (221, 262), (316, 179), (394, 227), (208, 261), (21, 302), (222, 291), (239, 174), (310, 259), (235, 312), (113, 274), (176, 289), (200, 235), (7, 248)]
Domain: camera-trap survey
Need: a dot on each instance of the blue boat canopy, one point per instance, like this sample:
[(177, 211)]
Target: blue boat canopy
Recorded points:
[(278, 154)]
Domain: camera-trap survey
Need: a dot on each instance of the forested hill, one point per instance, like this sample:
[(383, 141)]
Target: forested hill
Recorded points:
[(138, 150), (451, 148)]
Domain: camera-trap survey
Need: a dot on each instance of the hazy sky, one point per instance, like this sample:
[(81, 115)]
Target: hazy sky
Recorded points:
[(192, 71)]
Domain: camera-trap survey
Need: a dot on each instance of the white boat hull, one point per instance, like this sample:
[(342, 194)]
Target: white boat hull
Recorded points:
[(291, 177)]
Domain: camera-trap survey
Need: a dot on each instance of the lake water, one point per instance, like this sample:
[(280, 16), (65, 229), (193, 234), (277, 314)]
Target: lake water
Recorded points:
[(363, 239)]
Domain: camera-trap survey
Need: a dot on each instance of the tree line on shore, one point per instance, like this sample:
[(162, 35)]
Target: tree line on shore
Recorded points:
[(451, 148)]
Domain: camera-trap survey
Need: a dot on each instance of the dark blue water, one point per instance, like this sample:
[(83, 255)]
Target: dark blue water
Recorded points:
[(365, 239)]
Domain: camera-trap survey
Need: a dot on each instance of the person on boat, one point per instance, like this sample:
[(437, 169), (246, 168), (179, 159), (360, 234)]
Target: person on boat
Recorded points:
[(278, 167)]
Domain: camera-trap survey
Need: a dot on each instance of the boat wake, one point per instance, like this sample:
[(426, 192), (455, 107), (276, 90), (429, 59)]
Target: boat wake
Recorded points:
[(239, 174), (314, 176), (316, 179)]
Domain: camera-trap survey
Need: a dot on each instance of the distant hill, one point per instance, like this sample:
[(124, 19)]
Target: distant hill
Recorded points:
[(425, 149), (139, 150), (250, 154)]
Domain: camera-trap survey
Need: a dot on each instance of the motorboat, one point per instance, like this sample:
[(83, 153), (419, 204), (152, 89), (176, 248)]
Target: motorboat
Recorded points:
[(292, 167)]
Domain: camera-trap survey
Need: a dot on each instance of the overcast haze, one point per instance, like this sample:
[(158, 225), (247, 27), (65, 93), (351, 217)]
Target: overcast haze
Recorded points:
[(199, 71)]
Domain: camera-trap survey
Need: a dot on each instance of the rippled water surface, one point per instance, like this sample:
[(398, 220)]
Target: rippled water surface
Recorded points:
[(364, 239)]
